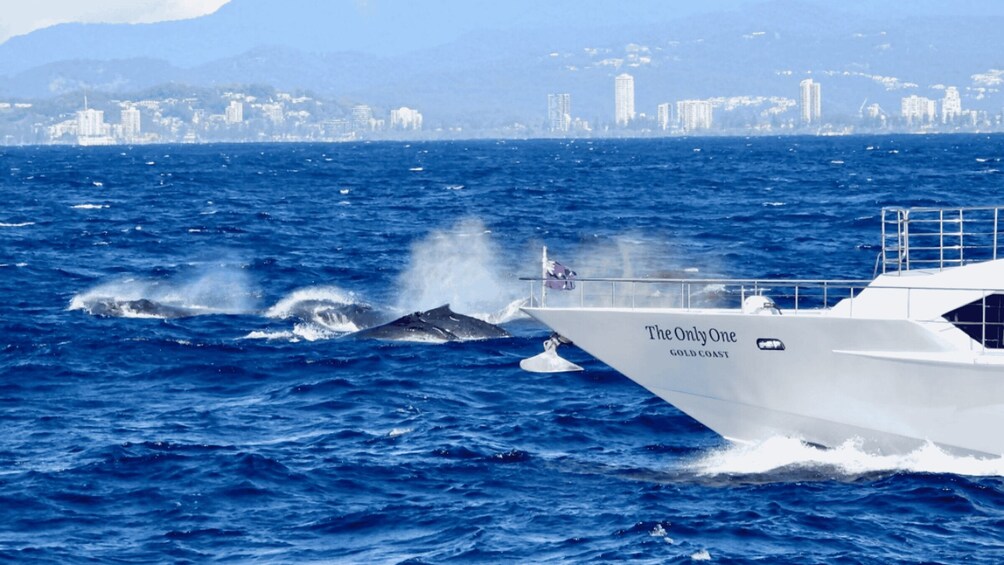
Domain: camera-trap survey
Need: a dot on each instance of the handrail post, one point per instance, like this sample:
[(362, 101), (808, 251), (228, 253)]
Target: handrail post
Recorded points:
[(634, 292), (796, 298), (983, 333), (941, 240), (906, 238), (883, 241), (962, 239), (996, 211), (825, 295)]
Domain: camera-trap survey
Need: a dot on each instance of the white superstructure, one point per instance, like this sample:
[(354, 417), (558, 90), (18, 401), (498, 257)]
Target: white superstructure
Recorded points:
[(914, 355)]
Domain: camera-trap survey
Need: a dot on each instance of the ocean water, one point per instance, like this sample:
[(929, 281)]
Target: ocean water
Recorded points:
[(252, 429)]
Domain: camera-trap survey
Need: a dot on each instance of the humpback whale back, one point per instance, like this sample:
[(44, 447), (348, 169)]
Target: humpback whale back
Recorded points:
[(437, 325)]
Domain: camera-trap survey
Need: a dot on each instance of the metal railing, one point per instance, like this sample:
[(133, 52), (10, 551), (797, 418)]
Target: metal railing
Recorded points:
[(787, 294), (983, 322), (938, 238)]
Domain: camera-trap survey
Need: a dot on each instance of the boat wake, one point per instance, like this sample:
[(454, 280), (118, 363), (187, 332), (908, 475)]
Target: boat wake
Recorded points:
[(780, 454)]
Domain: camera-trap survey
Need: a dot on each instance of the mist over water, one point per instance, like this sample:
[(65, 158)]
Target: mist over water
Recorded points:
[(208, 289), (460, 266), (257, 432)]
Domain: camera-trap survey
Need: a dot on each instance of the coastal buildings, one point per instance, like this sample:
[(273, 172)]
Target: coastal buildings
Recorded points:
[(918, 110), (663, 116), (951, 105), (230, 114), (91, 127), (91, 123), (559, 112), (130, 124), (362, 117), (405, 118), (811, 101), (694, 115), (234, 113), (624, 99)]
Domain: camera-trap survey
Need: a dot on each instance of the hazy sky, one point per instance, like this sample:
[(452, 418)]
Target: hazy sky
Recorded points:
[(22, 16)]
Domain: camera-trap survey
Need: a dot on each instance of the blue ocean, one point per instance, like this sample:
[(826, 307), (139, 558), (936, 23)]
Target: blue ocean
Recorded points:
[(171, 390)]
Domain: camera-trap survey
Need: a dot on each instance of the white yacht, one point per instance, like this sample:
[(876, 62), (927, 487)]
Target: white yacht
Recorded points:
[(914, 355)]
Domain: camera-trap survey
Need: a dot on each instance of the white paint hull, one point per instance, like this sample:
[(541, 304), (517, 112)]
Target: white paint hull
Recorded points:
[(892, 383)]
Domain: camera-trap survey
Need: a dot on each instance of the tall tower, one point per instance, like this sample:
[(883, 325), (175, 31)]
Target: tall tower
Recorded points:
[(951, 105), (664, 114), (623, 99), (812, 103), (559, 112), (235, 112), (130, 123)]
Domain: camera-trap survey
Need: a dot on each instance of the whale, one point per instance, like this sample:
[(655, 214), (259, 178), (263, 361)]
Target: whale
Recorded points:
[(337, 315), (439, 325), (139, 308)]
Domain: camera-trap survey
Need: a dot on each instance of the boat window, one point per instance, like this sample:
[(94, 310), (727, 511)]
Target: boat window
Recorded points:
[(974, 321)]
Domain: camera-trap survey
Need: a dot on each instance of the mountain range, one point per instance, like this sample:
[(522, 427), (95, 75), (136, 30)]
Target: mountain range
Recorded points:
[(490, 63)]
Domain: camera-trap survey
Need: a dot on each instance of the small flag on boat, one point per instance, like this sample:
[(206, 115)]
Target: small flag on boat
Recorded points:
[(559, 277)]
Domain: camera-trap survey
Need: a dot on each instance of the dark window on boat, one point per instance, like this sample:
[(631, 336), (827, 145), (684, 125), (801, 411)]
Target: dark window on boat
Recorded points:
[(970, 319)]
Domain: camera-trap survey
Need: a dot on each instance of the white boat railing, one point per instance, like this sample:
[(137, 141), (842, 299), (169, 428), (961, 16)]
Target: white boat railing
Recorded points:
[(695, 293), (982, 317), (938, 238)]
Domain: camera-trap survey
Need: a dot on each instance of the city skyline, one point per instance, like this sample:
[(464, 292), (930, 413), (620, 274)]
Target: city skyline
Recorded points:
[(744, 71)]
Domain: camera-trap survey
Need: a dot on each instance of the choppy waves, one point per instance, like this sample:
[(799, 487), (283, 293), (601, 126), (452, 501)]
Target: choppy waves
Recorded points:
[(240, 425)]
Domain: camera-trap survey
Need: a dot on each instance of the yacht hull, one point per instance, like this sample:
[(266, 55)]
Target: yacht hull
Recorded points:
[(893, 384)]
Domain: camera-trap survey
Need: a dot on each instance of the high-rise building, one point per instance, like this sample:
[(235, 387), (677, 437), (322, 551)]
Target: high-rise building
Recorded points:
[(917, 109), (663, 116), (362, 117), (406, 118), (951, 105), (130, 123), (91, 123), (623, 99), (559, 112), (694, 115), (235, 112), (812, 101)]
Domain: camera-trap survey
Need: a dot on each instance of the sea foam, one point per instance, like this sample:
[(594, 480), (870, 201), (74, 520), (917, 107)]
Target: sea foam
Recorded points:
[(848, 459)]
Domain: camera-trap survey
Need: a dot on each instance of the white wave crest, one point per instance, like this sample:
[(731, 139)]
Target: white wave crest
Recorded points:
[(89, 206), (328, 308), (286, 308), (269, 335), (848, 458), (311, 332), (509, 313), (17, 225)]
